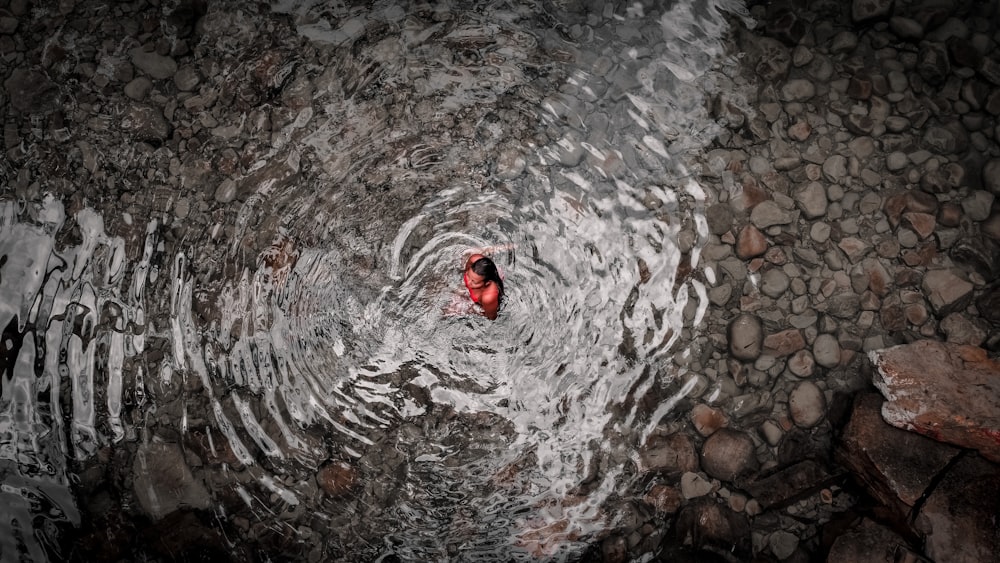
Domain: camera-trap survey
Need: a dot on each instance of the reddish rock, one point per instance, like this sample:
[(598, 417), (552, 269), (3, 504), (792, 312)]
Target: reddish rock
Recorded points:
[(896, 466), (922, 223), (668, 453), (664, 499), (784, 343), (946, 291), (959, 517), (921, 202), (706, 522), (893, 207), (728, 455), (337, 478), (707, 420), (879, 279), (800, 131), (949, 392), (950, 214), (750, 243)]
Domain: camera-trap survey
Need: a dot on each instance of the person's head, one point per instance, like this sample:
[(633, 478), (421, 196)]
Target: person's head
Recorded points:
[(485, 268)]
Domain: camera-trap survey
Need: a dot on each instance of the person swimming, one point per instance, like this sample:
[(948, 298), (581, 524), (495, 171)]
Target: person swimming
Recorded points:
[(484, 283)]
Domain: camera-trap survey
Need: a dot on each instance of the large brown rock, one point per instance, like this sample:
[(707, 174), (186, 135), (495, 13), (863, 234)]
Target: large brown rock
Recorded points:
[(949, 392), (672, 453), (728, 455), (959, 517), (896, 466), (868, 542)]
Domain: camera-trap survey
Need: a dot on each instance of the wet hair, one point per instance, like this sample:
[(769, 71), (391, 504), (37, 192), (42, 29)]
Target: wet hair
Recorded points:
[(486, 268)]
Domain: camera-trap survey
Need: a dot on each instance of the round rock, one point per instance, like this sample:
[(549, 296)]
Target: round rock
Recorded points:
[(746, 336), (728, 454), (826, 350), (807, 405)]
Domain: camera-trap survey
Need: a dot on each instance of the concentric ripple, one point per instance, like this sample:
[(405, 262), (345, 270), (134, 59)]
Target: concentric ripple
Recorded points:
[(336, 326)]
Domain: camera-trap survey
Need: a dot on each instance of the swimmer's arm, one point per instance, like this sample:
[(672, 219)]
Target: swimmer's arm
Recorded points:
[(490, 304)]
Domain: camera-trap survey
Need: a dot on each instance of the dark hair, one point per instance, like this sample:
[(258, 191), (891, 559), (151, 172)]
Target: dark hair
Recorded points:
[(486, 268)]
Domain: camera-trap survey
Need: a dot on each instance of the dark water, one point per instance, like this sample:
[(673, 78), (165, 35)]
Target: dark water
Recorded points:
[(327, 320)]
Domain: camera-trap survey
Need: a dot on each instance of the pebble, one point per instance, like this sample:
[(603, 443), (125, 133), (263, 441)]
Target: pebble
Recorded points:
[(750, 243), (811, 199), (801, 364), (768, 213), (826, 350), (746, 337), (694, 485), (156, 66)]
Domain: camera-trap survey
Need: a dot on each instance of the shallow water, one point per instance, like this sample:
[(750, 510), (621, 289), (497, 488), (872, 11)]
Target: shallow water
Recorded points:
[(329, 321)]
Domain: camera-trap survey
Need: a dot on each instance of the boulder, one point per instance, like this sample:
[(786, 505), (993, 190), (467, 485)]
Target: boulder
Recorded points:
[(897, 467), (949, 392), (959, 518), (728, 455)]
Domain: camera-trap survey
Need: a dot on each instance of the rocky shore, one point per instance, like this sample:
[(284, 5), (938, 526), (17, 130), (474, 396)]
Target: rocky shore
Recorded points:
[(852, 264)]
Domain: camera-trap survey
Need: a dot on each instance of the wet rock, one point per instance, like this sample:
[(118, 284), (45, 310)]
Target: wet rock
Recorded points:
[(798, 90), (946, 140), (946, 291), (707, 420), (928, 383), (774, 283), (922, 223), (139, 88), (959, 329), (959, 517), (807, 404), (705, 522), (163, 482), (978, 205), (31, 92), (720, 218), (187, 78), (991, 175), (988, 304), (775, 59), (694, 485), (782, 544), (868, 542), (768, 213), (802, 364), (791, 483), (156, 66), (826, 350), (896, 466), (746, 337), (812, 200), (854, 248), (750, 243), (145, 123), (337, 479), (728, 455), (784, 343), (664, 499), (843, 305), (614, 549), (671, 453), (933, 62)]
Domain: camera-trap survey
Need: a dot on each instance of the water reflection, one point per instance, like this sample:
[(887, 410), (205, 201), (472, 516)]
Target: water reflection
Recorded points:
[(326, 329)]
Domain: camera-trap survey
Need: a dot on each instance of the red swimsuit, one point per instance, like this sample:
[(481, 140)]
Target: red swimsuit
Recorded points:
[(465, 279)]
